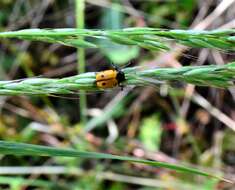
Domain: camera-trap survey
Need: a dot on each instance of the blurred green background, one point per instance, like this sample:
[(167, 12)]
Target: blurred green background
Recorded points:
[(160, 124)]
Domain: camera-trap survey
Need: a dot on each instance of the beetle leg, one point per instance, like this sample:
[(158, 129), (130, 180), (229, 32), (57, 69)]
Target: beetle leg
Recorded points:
[(121, 86)]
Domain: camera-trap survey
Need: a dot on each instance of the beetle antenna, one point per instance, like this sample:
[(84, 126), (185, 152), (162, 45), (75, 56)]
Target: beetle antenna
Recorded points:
[(121, 67), (124, 66), (115, 66)]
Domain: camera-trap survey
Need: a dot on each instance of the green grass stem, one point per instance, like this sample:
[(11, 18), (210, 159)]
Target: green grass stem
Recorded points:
[(80, 10), (148, 38), (221, 76)]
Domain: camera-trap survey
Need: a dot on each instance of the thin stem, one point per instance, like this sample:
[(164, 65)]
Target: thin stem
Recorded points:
[(80, 9)]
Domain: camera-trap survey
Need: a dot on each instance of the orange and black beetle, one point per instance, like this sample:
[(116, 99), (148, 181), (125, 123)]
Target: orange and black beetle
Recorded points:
[(110, 78)]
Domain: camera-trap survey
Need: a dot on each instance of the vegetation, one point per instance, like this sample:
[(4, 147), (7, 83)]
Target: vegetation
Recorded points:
[(157, 121)]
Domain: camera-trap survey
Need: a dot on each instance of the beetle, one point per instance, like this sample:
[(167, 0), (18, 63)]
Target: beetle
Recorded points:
[(110, 78)]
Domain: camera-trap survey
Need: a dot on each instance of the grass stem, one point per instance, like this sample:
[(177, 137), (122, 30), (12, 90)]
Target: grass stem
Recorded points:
[(221, 76), (80, 9)]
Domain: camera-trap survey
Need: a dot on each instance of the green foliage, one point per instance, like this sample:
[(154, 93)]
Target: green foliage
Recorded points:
[(172, 12), (116, 52), (229, 141), (150, 132), (17, 182), (84, 183), (210, 184), (120, 45), (113, 111), (7, 63), (117, 186)]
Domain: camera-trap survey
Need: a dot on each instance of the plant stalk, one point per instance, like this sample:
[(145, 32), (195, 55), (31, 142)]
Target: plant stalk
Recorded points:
[(80, 9)]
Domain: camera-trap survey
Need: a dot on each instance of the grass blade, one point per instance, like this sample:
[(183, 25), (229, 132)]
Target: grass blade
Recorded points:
[(14, 148)]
